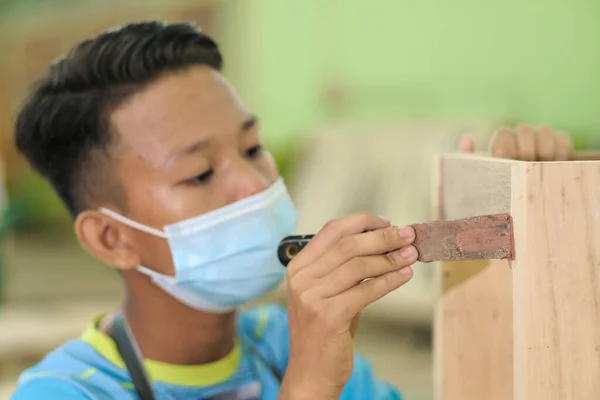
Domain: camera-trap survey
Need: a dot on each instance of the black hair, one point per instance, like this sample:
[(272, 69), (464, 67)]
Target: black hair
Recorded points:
[(63, 127)]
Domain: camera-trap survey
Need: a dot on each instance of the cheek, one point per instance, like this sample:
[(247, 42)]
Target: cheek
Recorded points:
[(268, 167), (157, 204)]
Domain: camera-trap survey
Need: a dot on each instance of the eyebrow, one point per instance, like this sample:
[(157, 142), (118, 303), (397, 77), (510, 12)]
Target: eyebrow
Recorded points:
[(195, 147)]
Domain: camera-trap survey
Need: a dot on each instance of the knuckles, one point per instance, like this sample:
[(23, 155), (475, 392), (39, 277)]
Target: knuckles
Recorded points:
[(363, 218), (529, 144), (353, 220), (392, 260), (295, 284), (390, 237), (347, 246), (331, 225), (360, 267), (309, 302)]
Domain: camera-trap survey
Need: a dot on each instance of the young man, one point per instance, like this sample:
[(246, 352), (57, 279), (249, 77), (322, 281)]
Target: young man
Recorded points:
[(161, 166)]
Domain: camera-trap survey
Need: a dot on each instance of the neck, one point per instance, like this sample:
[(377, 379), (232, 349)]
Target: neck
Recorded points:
[(171, 332)]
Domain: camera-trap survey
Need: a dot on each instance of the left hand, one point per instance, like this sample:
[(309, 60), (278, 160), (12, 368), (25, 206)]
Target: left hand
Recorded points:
[(526, 144)]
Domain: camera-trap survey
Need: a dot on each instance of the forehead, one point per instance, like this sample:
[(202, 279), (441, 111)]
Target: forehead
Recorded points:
[(179, 108)]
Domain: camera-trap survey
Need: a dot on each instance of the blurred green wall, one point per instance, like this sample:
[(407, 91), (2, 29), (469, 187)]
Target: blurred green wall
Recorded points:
[(508, 60), (460, 60)]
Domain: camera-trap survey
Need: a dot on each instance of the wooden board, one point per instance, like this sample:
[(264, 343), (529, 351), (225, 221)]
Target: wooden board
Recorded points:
[(556, 215), (555, 284), (473, 319), (472, 185), (473, 337)]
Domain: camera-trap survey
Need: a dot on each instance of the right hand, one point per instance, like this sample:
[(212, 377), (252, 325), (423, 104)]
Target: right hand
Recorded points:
[(327, 291)]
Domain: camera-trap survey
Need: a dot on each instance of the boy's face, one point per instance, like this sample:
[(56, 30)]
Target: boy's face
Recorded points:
[(187, 145)]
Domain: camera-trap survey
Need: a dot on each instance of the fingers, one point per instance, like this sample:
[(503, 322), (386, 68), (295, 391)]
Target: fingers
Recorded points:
[(372, 290), (332, 232), (503, 144), (525, 139), (545, 143), (358, 269), (467, 145), (371, 243), (528, 144), (564, 147)]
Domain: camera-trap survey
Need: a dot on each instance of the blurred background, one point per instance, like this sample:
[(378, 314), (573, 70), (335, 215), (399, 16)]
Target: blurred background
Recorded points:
[(355, 98)]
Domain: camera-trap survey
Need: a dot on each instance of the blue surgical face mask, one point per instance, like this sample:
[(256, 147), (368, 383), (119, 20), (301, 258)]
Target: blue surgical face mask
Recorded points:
[(227, 257)]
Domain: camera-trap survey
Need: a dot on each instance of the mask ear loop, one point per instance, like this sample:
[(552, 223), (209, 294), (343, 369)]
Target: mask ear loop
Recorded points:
[(133, 224), (156, 276), (136, 225)]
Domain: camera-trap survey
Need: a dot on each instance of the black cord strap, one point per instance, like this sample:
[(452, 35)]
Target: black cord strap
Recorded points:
[(132, 356)]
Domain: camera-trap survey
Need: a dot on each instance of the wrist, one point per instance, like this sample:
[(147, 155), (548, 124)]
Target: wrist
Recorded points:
[(300, 386)]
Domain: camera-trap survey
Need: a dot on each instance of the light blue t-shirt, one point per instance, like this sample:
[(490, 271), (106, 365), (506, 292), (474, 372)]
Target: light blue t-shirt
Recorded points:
[(90, 368)]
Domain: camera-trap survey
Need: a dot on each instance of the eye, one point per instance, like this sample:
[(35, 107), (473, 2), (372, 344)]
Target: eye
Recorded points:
[(202, 178), (255, 151)]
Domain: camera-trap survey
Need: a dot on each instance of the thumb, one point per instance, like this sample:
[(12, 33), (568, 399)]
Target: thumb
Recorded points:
[(467, 145)]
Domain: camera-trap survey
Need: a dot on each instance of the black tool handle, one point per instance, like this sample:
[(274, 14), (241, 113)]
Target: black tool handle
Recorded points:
[(290, 246)]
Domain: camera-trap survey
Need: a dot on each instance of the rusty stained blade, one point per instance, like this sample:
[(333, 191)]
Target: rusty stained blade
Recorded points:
[(482, 237)]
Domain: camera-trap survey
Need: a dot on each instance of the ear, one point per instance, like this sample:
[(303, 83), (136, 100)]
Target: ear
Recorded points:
[(106, 239)]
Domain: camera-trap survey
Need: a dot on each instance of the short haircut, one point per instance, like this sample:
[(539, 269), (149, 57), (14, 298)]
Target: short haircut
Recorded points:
[(63, 127)]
